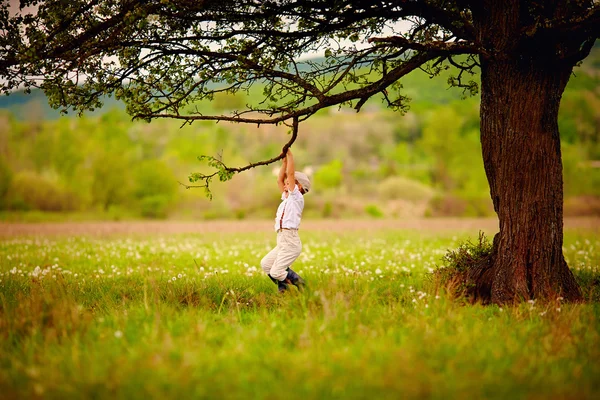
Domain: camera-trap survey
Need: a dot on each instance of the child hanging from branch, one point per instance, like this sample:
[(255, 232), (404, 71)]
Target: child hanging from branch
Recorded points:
[(276, 264)]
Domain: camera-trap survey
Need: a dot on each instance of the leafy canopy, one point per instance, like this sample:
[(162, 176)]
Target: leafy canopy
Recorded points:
[(163, 57)]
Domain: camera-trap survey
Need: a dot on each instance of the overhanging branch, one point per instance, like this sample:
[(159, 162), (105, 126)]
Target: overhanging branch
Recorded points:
[(442, 48), (225, 173), (325, 101), (585, 24)]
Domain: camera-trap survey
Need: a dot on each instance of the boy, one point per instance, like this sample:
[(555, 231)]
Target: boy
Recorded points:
[(293, 185)]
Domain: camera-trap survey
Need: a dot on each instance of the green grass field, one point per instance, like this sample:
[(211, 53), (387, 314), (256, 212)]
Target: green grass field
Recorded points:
[(192, 316)]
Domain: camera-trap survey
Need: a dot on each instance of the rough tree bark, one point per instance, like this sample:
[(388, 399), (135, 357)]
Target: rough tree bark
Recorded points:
[(520, 98)]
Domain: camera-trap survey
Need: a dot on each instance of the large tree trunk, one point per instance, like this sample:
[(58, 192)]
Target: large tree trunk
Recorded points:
[(521, 86), (522, 158)]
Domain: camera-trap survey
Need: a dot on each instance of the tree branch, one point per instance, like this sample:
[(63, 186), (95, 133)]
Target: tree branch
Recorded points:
[(225, 173), (585, 24), (581, 53), (440, 47), (446, 16), (326, 101)]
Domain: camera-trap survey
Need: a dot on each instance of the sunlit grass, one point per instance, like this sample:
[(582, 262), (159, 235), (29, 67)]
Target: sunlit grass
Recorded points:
[(193, 316)]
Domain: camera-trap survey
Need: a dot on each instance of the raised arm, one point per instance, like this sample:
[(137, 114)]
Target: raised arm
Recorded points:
[(290, 171), (281, 176)]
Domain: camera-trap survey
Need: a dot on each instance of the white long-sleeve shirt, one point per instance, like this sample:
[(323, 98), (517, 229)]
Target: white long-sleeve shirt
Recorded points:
[(289, 212)]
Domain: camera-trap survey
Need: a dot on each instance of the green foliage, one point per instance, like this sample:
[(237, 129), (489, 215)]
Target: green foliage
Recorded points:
[(154, 178), (228, 102), (373, 211), (69, 155), (580, 177), (468, 254), (453, 275), (327, 211), (478, 207), (398, 187), (441, 137), (6, 176), (329, 175), (110, 180), (224, 173), (31, 191), (155, 206), (452, 143)]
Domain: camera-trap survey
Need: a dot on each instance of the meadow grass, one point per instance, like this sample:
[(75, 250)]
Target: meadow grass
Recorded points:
[(191, 316)]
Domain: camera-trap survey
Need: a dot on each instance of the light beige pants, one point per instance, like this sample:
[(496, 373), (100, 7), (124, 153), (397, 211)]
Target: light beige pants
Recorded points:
[(283, 255)]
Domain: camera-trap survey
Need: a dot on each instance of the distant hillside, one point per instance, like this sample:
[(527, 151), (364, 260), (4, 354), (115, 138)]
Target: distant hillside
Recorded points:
[(34, 106)]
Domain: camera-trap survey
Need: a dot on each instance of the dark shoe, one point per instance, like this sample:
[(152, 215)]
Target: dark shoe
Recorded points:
[(282, 286), (272, 279), (294, 279)]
